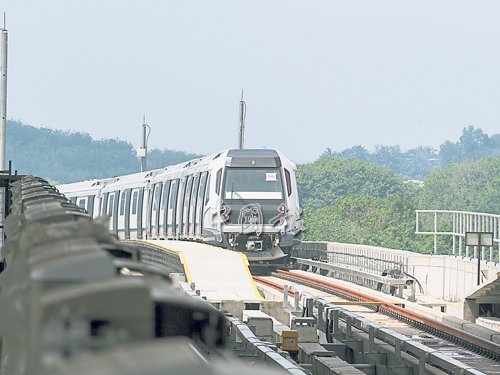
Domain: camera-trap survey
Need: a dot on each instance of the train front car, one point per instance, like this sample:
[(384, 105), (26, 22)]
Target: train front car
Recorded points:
[(255, 208)]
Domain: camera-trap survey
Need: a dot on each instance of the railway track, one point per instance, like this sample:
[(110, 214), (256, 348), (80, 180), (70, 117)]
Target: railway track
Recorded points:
[(471, 350)]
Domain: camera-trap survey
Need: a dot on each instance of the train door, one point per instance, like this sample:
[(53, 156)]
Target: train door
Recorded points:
[(192, 206), (121, 215), (146, 210), (140, 203), (133, 214), (172, 209), (163, 210), (104, 203), (111, 201), (185, 211), (113, 211), (199, 206), (109, 212), (126, 213), (155, 210), (90, 205), (180, 206)]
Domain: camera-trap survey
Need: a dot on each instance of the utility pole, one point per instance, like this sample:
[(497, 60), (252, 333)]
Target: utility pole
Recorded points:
[(3, 114), (241, 128), (143, 151)]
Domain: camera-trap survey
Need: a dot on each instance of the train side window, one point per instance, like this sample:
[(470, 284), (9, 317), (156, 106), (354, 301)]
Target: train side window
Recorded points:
[(81, 203), (122, 203), (173, 203), (128, 194), (158, 188), (288, 182), (134, 203), (139, 212), (164, 199), (110, 205), (104, 203), (218, 181), (187, 192), (201, 189), (207, 194), (194, 193), (90, 206), (173, 193)]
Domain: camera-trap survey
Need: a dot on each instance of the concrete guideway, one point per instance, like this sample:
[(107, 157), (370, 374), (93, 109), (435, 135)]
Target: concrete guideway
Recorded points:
[(218, 274)]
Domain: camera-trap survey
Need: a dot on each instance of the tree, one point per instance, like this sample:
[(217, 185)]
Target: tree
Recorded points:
[(355, 219), (72, 156), (321, 183), (468, 186), (159, 159), (420, 161), (356, 152)]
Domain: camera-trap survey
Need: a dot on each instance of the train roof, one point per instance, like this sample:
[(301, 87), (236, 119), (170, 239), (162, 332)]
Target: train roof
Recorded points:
[(239, 158)]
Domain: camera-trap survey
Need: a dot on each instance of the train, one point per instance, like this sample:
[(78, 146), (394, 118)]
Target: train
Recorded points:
[(244, 200)]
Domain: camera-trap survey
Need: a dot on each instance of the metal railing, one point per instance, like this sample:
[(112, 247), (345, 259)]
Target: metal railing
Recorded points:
[(456, 224), (349, 256)]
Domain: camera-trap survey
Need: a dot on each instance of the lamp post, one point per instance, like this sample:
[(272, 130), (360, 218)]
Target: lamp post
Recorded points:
[(143, 151), (3, 104)]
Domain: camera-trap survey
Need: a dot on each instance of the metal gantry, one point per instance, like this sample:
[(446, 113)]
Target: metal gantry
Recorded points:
[(456, 224)]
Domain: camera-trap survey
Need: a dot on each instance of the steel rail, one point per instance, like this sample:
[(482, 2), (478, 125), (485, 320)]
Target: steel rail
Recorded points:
[(481, 346)]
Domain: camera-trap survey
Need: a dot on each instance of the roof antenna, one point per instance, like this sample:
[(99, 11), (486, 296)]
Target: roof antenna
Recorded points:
[(241, 128)]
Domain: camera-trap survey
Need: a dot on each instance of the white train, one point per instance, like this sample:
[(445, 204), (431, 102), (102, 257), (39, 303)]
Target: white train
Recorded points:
[(244, 200)]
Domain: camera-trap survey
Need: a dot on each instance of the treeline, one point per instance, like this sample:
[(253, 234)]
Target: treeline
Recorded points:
[(353, 201), (418, 162), (352, 196), (64, 157)]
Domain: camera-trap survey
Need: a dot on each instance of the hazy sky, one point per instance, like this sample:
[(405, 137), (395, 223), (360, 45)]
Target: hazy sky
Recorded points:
[(316, 74)]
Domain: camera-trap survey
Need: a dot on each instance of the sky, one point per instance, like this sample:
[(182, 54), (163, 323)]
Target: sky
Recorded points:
[(315, 74)]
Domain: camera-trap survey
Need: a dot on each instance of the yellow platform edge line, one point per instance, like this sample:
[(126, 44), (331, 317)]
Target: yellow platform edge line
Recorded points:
[(180, 253), (245, 262)]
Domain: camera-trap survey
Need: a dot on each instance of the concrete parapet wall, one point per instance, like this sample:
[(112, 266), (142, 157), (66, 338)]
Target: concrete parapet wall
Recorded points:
[(449, 278)]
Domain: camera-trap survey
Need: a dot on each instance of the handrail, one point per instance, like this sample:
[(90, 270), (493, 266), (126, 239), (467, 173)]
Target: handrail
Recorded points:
[(460, 223)]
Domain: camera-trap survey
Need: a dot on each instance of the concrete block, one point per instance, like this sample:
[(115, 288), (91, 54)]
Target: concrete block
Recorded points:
[(310, 349), (496, 339), (334, 366), (262, 327), (454, 322), (477, 330)]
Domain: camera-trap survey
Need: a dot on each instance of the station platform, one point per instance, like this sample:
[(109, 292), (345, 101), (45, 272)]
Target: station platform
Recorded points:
[(219, 274)]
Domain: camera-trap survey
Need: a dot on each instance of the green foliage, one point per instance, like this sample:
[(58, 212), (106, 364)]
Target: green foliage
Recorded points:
[(417, 162), (323, 182), (352, 201), (160, 159), (356, 219), (68, 157), (469, 186)]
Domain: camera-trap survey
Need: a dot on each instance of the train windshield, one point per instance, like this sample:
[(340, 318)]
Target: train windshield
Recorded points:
[(253, 183)]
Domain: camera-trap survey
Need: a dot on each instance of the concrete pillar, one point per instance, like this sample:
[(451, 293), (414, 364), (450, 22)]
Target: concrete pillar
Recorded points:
[(471, 310)]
